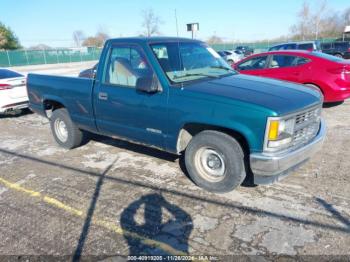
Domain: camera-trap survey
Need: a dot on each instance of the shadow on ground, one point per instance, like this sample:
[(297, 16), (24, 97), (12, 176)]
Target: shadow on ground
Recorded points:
[(173, 232), (17, 113)]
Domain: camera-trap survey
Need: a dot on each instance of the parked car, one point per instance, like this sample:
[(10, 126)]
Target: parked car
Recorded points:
[(13, 92), (245, 50), (305, 45), (339, 49), (89, 73), (231, 56), (329, 74), (180, 96)]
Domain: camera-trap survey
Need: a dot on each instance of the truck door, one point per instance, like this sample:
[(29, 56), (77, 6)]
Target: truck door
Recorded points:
[(120, 110)]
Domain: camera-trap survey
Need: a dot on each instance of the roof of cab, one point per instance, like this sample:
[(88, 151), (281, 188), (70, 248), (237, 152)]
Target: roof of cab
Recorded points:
[(155, 39)]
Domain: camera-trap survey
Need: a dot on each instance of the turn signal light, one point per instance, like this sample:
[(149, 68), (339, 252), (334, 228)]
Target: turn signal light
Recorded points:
[(273, 132)]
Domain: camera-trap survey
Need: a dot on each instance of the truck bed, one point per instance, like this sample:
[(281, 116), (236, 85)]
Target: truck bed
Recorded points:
[(74, 93)]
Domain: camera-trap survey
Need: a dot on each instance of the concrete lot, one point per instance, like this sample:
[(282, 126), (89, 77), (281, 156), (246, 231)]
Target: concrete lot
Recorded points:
[(113, 198)]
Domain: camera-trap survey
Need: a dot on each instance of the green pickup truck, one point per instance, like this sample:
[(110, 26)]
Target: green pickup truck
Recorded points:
[(179, 95)]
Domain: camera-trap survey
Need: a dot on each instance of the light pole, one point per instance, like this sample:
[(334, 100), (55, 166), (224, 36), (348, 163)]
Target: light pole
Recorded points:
[(193, 27)]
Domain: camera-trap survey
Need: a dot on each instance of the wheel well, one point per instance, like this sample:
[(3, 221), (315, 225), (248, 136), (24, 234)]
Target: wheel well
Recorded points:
[(315, 86), (50, 106), (191, 129)]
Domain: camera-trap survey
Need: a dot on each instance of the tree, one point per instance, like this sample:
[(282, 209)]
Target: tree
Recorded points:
[(150, 23), (98, 40), (8, 39), (78, 38), (215, 40), (302, 28), (40, 47), (318, 17)]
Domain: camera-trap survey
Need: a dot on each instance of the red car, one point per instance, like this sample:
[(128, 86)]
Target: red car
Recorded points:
[(330, 74)]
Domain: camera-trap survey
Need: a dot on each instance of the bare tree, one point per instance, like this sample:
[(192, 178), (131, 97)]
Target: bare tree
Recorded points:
[(302, 28), (78, 38), (150, 23), (317, 21), (346, 16), (318, 16), (215, 40)]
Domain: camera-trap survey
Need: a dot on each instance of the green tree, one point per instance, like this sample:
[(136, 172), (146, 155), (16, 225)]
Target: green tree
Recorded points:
[(8, 39)]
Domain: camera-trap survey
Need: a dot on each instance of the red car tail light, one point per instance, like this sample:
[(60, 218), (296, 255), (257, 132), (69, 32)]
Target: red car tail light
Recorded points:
[(5, 87)]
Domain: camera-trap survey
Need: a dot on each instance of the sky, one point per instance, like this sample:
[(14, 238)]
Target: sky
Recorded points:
[(52, 22)]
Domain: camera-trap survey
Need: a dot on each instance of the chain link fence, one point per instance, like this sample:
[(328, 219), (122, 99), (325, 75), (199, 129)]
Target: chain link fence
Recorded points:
[(259, 46), (52, 56)]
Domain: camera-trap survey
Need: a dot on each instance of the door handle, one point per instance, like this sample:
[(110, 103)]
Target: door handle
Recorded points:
[(102, 96)]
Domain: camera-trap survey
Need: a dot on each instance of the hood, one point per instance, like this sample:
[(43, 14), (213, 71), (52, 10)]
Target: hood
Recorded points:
[(279, 96)]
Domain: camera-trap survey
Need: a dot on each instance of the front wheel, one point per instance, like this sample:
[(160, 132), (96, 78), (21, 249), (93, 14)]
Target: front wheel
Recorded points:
[(215, 161), (65, 132)]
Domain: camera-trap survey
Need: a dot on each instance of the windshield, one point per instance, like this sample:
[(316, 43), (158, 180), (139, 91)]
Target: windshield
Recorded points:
[(184, 62)]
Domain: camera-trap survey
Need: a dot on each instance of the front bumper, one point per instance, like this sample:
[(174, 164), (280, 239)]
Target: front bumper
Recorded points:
[(268, 168)]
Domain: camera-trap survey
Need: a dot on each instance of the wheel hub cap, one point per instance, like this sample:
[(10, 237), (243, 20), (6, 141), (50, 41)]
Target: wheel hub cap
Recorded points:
[(210, 164), (61, 130)]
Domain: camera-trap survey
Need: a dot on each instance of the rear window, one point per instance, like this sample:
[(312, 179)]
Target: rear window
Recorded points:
[(290, 47), (4, 73), (308, 46), (274, 48), (327, 57), (341, 45), (326, 46)]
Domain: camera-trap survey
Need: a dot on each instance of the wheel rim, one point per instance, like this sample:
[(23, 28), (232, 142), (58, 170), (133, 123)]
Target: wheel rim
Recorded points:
[(210, 164), (61, 130)]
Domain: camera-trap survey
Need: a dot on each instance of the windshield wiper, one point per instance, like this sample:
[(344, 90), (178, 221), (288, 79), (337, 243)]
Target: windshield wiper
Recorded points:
[(195, 74), (222, 67)]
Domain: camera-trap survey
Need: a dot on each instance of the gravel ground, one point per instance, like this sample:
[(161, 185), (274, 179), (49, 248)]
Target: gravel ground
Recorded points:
[(110, 198)]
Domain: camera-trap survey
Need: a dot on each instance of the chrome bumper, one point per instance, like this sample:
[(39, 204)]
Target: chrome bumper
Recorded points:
[(268, 168)]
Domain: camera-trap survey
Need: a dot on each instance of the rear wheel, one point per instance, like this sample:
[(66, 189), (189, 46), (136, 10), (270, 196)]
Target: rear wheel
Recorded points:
[(338, 55), (65, 132), (215, 161)]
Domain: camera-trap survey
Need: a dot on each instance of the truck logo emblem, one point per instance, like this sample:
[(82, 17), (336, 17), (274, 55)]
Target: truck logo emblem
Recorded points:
[(154, 130)]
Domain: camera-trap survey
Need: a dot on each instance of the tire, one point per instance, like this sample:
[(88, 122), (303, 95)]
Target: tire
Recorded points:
[(65, 132), (338, 55), (215, 161)]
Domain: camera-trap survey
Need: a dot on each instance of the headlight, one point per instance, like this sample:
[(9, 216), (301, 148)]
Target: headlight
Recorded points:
[(279, 133)]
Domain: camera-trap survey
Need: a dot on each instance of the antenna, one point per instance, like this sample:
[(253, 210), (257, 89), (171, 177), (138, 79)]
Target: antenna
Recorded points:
[(177, 26), (178, 43)]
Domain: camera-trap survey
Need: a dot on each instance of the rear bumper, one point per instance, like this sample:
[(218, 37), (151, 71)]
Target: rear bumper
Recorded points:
[(14, 106), (270, 168), (341, 94)]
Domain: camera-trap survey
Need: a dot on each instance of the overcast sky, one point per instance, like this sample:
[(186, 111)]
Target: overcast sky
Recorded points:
[(52, 22)]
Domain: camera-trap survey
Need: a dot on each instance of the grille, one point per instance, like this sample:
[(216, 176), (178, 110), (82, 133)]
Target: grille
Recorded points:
[(307, 125)]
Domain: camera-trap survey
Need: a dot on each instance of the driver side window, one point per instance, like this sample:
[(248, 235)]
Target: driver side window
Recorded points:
[(126, 64), (253, 63)]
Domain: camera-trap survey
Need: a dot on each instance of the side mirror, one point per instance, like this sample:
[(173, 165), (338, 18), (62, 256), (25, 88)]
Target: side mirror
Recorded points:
[(146, 84), (93, 73)]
